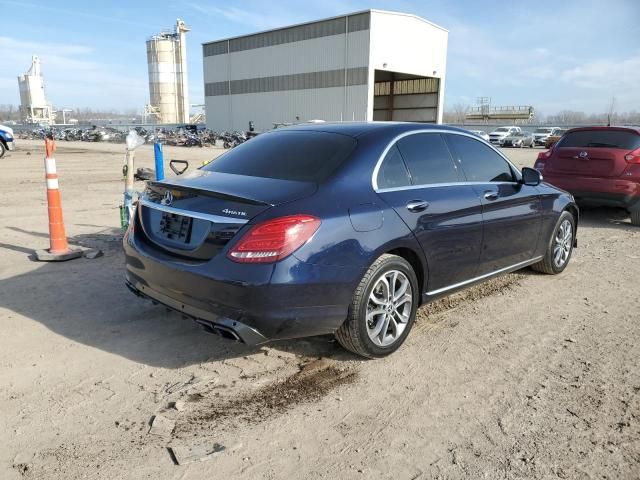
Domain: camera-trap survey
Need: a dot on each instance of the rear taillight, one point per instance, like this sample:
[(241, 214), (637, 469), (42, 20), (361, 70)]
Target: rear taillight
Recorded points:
[(545, 155), (633, 157), (274, 240)]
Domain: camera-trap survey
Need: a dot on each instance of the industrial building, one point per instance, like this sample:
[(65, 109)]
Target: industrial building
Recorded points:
[(370, 65), (34, 108), (168, 79)]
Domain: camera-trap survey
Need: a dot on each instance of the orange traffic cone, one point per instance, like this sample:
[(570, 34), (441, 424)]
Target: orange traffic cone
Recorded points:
[(59, 248)]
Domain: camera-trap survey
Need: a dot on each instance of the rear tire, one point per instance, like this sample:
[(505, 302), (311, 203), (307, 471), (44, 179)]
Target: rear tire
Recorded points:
[(559, 247), (380, 316), (635, 216)]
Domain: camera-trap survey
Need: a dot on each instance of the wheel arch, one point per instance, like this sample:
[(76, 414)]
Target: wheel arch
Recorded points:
[(416, 263)]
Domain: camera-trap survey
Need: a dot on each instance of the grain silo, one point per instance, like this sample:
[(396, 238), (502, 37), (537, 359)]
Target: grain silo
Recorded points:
[(168, 82), (34, 107)]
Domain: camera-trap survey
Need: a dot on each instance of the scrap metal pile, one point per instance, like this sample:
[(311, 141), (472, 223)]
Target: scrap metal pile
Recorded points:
[(181, 137)]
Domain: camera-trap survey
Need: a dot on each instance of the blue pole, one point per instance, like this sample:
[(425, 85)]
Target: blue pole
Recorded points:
[(157, 150)]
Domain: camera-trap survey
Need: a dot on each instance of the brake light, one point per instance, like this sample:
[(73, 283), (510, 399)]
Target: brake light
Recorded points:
[(545, 155), (275, 239), (633, 157)]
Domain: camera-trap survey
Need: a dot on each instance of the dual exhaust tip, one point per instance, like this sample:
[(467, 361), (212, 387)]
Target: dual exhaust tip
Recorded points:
[(214, 328)]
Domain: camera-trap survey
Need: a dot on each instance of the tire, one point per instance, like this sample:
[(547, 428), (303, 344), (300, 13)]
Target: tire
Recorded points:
[(635, 216), (559, 240), (2, 149), (356, 333)]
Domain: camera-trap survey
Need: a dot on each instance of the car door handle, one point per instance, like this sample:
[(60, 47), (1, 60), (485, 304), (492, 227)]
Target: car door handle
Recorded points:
[(491, 195), (417, 205)]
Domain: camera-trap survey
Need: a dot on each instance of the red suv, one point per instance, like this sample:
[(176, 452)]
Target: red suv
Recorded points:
[(598, 165)]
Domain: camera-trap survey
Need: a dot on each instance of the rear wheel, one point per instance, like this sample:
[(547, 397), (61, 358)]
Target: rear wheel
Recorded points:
[(560, 246), (383, 309), (635, 216)]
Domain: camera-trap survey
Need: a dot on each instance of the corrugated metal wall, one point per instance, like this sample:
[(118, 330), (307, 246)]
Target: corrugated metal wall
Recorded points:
[(305, 72)]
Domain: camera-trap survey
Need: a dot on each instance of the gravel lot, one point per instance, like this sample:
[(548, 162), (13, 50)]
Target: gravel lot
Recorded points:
[(528, 376)]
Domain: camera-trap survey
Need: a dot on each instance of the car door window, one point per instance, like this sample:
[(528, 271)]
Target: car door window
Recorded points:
[(428, 159), (393, 172), (480, 162)]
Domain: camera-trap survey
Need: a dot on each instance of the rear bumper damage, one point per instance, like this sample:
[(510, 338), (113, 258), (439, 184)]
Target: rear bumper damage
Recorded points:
[(212, 323)]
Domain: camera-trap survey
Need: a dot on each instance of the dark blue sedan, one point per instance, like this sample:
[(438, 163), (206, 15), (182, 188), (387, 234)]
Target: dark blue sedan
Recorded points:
[(342, 229)]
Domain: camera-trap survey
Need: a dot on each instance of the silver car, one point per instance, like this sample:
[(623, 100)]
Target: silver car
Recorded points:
[(519, 140)]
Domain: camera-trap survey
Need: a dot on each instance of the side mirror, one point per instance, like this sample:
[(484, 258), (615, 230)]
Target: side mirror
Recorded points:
[(531, 177)]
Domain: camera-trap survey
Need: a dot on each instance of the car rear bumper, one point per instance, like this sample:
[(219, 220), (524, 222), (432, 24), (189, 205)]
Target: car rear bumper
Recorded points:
[(612, 192), (289, 300)]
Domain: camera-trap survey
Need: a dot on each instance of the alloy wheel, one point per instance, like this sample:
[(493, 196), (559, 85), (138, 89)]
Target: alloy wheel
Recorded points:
[(562, 244), (389, 308)]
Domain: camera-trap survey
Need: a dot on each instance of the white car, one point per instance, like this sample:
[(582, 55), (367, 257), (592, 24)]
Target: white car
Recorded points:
[(501, 133), (481, 133), (7, 141), (541, 134)]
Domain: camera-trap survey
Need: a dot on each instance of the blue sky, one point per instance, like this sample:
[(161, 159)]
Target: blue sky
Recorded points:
[(554, 55)]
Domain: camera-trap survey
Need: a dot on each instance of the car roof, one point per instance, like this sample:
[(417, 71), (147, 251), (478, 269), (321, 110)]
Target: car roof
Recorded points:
[(356, 129), (600, 127)]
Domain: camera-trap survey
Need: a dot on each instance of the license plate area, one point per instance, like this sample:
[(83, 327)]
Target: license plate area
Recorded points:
[(176, 227)]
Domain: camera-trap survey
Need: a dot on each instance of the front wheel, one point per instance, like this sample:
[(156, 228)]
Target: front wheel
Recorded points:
[(560, 246), (383, 309), (2, 149), (635, 216)]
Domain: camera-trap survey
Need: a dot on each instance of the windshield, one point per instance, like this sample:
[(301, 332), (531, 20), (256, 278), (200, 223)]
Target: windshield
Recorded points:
[(601, 139), (518, 134), (502, 129), (306, 156), (543, 130)]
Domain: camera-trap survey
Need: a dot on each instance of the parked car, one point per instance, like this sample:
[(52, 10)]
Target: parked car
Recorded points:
[(553, 139), (501, 132), (541, 134), (7, 141), (342, 229), (481, 133), (518, 139), (598, 165)]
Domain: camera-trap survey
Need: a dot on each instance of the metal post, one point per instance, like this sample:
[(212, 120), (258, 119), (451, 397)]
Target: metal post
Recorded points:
[(159, 156), (128, 190)]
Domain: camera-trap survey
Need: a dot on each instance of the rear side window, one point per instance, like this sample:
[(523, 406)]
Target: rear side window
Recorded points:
[(602, 139), (287, 155), (480, 162), (428, 159), (393, 172)]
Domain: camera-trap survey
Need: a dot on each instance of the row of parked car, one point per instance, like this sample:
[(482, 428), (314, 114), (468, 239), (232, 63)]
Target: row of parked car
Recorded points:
[(513, 136)]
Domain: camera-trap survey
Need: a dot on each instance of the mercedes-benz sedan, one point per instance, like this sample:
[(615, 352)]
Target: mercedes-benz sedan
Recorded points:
[(342, 229)]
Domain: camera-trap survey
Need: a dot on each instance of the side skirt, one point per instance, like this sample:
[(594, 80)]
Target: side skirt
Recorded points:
[(443, 292)]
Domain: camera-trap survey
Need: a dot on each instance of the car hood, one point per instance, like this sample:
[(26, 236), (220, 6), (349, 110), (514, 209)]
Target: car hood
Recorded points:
[(6, 129)]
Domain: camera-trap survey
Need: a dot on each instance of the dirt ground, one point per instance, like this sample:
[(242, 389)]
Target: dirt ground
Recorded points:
[(528, 376)]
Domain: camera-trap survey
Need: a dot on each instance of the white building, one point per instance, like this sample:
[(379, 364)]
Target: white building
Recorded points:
[(371, 65), (34, 108)]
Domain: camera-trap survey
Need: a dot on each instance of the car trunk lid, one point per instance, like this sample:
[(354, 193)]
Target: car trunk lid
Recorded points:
[(595, 162), (196, 216)]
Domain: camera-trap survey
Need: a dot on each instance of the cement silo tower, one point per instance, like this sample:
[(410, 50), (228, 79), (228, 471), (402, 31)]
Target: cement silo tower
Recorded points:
[(34, 107), (168, 82)]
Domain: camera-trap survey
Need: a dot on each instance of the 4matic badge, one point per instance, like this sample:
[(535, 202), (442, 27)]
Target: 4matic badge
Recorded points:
[(234, 212)]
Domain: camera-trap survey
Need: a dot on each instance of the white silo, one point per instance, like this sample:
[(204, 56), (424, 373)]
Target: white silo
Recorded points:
[(168, 82), (34, 107)]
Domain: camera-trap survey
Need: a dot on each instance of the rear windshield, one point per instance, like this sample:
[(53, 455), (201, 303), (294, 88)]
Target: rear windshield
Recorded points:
[(287, 155), (543, 130), (602, 139)]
